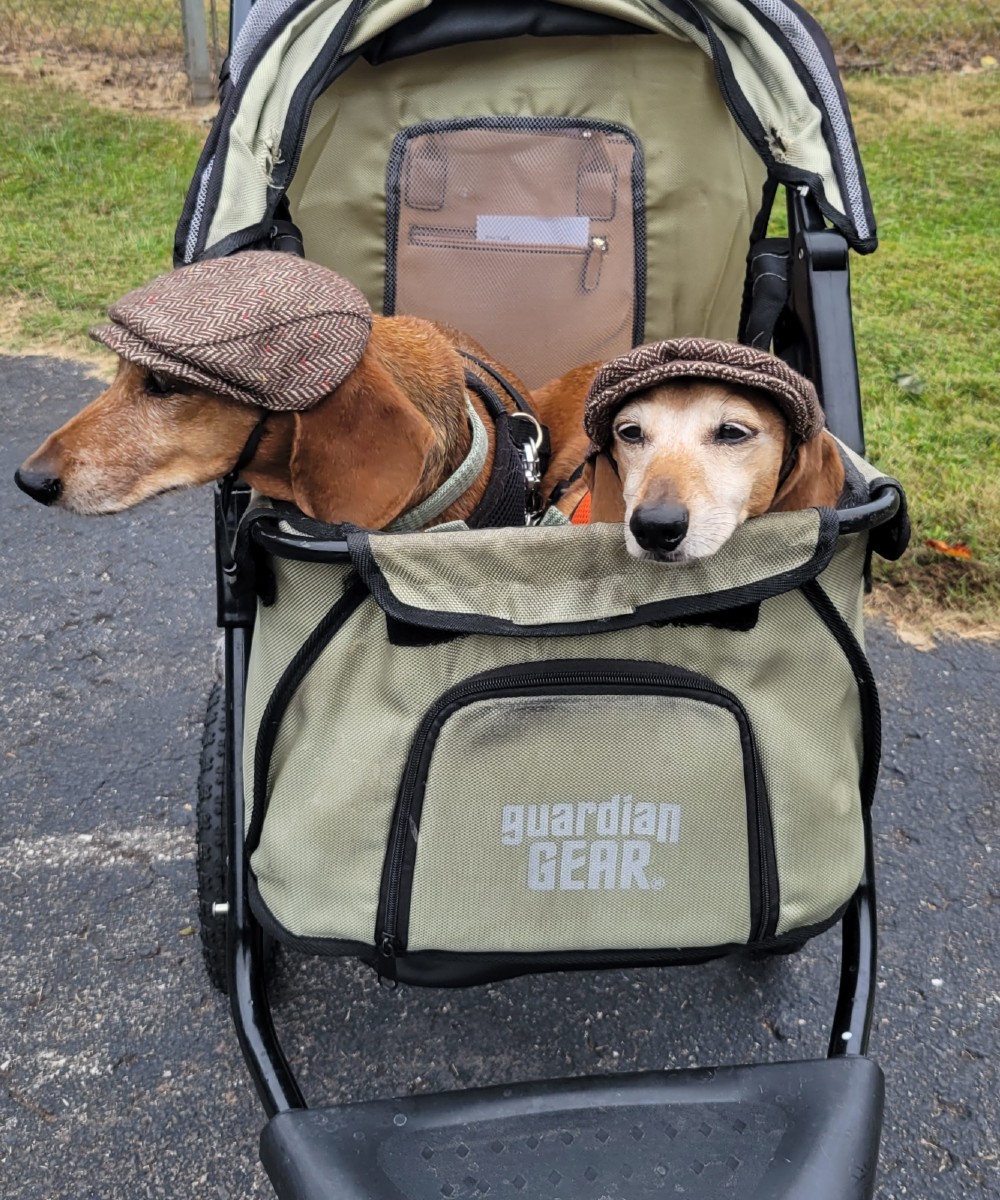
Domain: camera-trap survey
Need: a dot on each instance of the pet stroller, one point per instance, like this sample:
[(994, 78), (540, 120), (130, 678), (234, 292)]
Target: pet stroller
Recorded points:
[(433, 751)]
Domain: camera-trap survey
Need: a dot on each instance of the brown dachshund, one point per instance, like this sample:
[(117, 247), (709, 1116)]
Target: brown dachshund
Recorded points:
[(686, 461), (373, 448)]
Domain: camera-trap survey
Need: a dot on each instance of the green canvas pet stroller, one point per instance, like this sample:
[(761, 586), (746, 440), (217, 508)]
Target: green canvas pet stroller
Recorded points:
[(474, 753)]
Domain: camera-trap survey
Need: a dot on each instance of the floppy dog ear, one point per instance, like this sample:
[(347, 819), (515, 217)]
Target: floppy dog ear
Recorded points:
[(816, 480), (359, 455), (607, 504)]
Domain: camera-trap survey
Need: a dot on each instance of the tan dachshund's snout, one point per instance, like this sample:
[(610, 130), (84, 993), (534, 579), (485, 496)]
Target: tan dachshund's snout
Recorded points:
[(39, 482), (659, 528)]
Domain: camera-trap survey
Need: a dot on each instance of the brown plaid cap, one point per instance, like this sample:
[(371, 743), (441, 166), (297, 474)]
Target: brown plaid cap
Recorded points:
[(701, 358), (268, 328)]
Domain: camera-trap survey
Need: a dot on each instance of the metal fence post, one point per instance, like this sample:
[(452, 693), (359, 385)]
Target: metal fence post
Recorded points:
[(196, 61)]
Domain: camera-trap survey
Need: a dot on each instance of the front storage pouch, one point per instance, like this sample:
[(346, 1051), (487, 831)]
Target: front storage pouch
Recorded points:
[(475, 753), (568, 792)]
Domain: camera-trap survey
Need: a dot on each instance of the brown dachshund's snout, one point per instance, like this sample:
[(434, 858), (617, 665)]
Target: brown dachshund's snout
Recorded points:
[(39, 485), (659, 528)]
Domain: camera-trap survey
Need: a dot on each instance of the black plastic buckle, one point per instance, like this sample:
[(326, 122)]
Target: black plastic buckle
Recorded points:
[(236, 597)]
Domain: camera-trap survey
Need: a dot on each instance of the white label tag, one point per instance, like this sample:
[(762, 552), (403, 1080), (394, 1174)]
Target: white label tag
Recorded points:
[(533, 231)]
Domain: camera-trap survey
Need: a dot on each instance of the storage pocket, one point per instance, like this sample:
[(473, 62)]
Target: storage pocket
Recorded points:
[(528, 233), (580, 805)]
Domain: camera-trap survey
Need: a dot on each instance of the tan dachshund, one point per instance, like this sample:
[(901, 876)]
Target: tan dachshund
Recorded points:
[(375, 447), (688, 460)]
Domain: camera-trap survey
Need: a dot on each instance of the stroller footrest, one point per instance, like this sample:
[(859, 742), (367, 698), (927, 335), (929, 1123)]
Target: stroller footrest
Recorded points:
[(795, 1131)]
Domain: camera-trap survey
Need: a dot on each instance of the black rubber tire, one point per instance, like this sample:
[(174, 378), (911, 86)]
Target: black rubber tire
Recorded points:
[(213, 840)]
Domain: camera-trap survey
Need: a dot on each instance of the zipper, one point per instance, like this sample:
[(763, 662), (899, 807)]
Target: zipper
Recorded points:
[(573, 677), (592, 264), (463, 237)]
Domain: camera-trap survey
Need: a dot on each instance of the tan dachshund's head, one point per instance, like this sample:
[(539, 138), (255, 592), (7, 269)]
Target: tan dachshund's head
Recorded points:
[(377, 445), (693, 459)]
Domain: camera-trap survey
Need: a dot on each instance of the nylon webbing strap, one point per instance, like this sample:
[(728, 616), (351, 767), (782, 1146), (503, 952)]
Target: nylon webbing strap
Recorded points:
[(454, 486)]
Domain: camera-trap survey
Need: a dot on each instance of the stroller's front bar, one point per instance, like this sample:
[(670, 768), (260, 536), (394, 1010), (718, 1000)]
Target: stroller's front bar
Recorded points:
[(269, 535)]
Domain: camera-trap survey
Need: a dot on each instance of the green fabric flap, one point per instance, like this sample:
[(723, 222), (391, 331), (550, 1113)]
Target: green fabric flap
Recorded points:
[(563, 580)]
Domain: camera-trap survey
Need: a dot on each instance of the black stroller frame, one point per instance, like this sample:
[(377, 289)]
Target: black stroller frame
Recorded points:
[(820, 301), (836, 1103)]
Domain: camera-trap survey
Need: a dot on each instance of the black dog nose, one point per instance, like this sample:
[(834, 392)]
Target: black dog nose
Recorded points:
[(39, 486), (659, 528)]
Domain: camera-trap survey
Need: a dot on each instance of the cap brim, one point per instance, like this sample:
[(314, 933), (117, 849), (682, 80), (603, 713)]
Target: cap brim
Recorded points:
[(805, 418), (135, 350)]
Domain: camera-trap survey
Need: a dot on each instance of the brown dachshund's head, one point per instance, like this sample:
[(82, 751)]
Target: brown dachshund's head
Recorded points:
[(369, 450), (145, 435)]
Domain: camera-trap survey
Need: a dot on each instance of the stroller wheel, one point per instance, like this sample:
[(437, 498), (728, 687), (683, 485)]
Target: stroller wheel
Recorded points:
[(213, 850), (213, 844)]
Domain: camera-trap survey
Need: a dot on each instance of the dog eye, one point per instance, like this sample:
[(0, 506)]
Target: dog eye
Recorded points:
[(629, 433), (159, 385), (730, 433)]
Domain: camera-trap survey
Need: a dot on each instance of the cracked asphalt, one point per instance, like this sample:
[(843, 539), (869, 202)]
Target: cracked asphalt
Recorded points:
[(119, 1070)]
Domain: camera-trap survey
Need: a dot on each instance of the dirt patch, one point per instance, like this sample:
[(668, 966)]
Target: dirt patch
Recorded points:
[(928, 595), (153, 86), (960, 57), (13, 341)]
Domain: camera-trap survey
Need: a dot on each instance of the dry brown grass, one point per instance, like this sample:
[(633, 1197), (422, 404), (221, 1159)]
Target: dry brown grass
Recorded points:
[(161, 91)]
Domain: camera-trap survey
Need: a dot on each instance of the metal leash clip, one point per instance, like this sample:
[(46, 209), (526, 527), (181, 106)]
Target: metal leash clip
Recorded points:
[(531, 455)]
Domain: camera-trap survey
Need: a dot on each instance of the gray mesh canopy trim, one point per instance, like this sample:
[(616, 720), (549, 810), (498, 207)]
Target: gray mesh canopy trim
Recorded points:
[(199, 212), (813, 61), (262, 16)]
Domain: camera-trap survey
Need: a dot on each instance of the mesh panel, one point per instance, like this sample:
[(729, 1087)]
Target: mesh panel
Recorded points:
[(587, 821), (496, 224), (254, 144)]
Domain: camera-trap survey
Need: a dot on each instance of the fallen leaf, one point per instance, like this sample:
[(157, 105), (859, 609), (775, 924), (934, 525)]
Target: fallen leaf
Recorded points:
[(953, 550)]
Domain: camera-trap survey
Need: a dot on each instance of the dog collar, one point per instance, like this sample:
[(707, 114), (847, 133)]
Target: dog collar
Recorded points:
[(454, 486)]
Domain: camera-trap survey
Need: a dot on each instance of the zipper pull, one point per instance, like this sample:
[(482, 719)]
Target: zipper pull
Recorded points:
[(593, 263), (386, 965)]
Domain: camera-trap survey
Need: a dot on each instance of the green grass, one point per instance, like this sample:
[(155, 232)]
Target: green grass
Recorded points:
[(927, 312), (89, 198)]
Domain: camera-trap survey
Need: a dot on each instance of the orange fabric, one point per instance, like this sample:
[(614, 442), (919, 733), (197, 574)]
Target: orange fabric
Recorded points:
[(581, 514)]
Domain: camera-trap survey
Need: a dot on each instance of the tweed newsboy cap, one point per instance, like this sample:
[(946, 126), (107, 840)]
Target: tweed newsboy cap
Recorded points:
[(701, 358), (268, 328)]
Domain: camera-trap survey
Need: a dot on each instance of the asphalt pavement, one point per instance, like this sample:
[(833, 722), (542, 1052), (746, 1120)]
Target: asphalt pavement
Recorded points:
[(120, 1076)]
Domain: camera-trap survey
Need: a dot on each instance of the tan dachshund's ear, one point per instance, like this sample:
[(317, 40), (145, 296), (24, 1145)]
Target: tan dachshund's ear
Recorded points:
[(816, 480), (358, 456), (607, 504)]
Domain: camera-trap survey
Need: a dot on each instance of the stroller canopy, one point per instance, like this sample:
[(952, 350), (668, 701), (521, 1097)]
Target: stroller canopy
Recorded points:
[(774, 69)]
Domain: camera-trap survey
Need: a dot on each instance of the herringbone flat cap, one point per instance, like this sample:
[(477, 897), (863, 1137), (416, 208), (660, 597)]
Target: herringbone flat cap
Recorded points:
[(270, 329), (700, 358)]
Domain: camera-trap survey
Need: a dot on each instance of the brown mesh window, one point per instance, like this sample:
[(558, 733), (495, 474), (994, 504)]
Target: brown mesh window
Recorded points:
[(527, 233)]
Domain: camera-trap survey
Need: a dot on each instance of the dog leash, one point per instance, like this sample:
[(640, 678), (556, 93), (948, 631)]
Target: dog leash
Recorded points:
[(530, 436)]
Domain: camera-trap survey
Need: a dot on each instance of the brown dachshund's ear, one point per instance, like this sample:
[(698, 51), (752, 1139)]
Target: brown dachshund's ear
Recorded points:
[(358, 456), (607, 504), (816, 480)]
